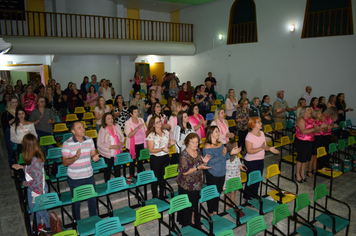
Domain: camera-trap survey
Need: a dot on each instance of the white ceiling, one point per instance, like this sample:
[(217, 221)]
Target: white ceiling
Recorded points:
[(152, 5)]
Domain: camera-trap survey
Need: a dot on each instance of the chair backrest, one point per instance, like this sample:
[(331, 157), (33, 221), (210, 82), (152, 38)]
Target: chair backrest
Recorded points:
[(172, 150), (285, 140), (91, 133), (231, 123), (110, 106), (341, 144), (267, 129), (54, 153), (351, 141), (71, 117), (278, 126), (273, 170), (47, 201), (342, 125), (332, 148), (123, 158), (320, 152), (320, 192), (83, 123), (302, 201), (213, 108), (209, 192), (92, 108), (144, 154), (145, 177), (67, 136), (210, 116), (163, 102), (217, 102), (233, 184), (58, 120), (348, 123), (179, 203), (170, 171), (62, 171), (47, 140), (254, 177), (84, 192), (108, 226), (142, 91), (72, 232), (279, 213), (116, 185), (79, 110), (229, 232), (223, 106), (99, 164), (88, 116), (146, 214), (255, 225), (61, 127)]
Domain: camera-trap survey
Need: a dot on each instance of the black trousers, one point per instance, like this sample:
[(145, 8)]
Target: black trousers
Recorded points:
[(138, 147), (107, 172), (213, 204), (157, 165), (185, 216), (252, 166), (242, 137)]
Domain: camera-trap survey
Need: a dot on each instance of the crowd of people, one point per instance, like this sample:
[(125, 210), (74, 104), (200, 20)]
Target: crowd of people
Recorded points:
[(30, 111)]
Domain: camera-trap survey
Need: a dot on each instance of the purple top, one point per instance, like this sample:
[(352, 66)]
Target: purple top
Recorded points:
[(193, 181)]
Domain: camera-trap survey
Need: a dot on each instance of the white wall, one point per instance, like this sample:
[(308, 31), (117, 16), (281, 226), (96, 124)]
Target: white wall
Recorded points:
[(155, 15), (279, 60)]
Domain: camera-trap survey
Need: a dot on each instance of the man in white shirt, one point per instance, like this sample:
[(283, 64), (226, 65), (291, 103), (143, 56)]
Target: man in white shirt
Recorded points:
[(307, 96)]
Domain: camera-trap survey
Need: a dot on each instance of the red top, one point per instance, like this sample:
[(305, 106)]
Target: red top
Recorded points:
[(182, 96)]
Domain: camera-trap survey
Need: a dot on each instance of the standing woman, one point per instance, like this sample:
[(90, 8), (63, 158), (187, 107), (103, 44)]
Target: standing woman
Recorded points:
[(318, 142), (158, 89), (181, 131), (75, 98), (314, 103), (321, 104), (137, 101), (256, 148), (203, 100), (92, 96), (110, 143), (220, 121), (173, 89), (106, 91), (60, 100), (266, 111), (341, 106), (176, 108), (43, 118), (242, 123), (304, 137), (184, 96), (168, 108), (231, 105), (301, 103), (19, 83), (100, 109), (148, 81), (151, 100), (137, 83), (50, 101), (34, 176), (8, 119), (21, 127), (197, 120), (158, 143), (120, 112), (28, 100), (157, 111), (216, 174), (331, 101), (83, 86), (135, 130), (190, 178)]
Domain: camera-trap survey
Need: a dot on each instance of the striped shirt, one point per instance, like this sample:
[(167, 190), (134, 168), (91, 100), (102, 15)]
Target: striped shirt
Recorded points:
[(81, 168)]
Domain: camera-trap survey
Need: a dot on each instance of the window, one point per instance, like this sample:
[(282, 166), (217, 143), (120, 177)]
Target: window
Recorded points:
[(243, 24), (327, 18)]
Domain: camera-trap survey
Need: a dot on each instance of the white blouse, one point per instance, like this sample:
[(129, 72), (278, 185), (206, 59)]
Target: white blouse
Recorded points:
[(22, 130), (160, 142)]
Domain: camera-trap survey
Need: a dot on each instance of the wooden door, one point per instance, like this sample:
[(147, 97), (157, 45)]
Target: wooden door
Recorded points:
[(157, 69)]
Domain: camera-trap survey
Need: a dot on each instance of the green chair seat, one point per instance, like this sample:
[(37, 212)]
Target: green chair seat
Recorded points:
[(189, 230), (267, 205), (161, 205), (109, 227), (305, 231), (66, 198), (340, 223), (249, 214), (85, 226), (101, 189), (126, 215), (220, 224)]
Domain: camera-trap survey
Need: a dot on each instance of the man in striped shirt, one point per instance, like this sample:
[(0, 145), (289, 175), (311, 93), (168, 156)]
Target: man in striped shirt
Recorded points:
[(77, 152)]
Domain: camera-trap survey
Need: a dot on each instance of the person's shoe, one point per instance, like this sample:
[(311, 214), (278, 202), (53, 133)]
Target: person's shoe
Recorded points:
[(39, 227)]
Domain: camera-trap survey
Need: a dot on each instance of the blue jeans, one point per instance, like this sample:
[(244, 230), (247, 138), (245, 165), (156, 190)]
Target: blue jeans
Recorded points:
[(39, 214), (97, 128), (9, 147), (73, 183)]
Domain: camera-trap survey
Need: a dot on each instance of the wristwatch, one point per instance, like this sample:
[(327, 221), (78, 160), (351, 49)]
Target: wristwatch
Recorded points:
[(196, 167)]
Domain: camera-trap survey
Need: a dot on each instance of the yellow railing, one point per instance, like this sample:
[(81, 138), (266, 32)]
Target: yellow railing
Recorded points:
[(50, 24)]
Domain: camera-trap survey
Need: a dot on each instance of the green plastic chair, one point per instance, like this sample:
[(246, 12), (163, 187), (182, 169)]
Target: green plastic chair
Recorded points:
[(330, 220), (179, 203), (232, 185), (219, 223), (171, 172), (108, 227), (72, 232), (121, 160), (227, 232), (144, 154), (262, 204), (82, 193), (54, 155), (255, 225), (67, 136), (126, 214), (47, 140), (147, 214)]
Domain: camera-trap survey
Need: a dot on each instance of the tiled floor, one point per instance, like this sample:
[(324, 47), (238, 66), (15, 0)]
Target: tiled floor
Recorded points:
[(12, 221)]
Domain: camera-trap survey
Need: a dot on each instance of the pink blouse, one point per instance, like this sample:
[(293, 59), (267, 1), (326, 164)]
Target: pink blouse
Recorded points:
[(318, 123), (224, 129), (309, 124), (32, 105), (91, 97), (329, 121), (158, 91), (140, 135), (256, 143), (194, 122)]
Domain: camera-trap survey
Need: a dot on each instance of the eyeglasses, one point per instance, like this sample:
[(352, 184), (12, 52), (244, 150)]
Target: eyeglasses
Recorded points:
[(158, 122), (259, 122)]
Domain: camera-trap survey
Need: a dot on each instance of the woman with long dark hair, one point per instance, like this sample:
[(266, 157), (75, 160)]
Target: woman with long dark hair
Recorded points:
[(341, 106), (137, 82), (321, 104), (157, 111), (83, 86), (197, 120), (181, 131), (151, 100), (120, 111), (21, 127)]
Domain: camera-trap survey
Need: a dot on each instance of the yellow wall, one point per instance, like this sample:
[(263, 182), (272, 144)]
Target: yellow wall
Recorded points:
[(36, 5), (133, 27), (175, 18)]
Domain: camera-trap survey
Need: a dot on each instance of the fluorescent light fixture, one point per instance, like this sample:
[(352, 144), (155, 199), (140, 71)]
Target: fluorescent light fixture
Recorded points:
[(4, 46), (292, 28), (220, 36)]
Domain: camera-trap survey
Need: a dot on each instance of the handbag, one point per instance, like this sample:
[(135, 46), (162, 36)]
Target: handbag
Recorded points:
[(55, 223)]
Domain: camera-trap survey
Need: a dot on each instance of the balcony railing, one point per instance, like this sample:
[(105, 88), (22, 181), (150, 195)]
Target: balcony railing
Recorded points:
[(50, 24), (243, 33)]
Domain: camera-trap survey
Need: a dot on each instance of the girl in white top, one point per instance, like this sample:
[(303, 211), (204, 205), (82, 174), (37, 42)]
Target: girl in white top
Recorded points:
[(220, 121), (99, 111), (181, 131), (158, 143), (231, 105), (21, 127)]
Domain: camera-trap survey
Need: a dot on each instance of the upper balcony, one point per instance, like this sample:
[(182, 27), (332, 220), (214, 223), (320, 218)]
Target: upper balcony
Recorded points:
[(75, 29)]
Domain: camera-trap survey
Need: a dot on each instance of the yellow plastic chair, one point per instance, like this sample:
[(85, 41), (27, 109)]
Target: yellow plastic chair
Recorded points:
[(163, 102), (88, 116), (61, 127), (85, 125), (79, 110), (131, 92), (203, 142), (268, 129), (213, 108), (142, 95), (110, 106), (231, 123), (192, 100), (92, 108), (321, 151), (85, 104), (91, 133), (278, 126), (71, 117), (217, 102), (223, 106), (172, 150)]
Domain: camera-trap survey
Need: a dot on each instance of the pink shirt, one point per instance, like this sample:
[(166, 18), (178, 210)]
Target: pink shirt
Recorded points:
[(158, 91), (329, 121), (140, 135), (173, 123), (224, 129), (256, 143), (309, 124), (318, 123), (91, 97)]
